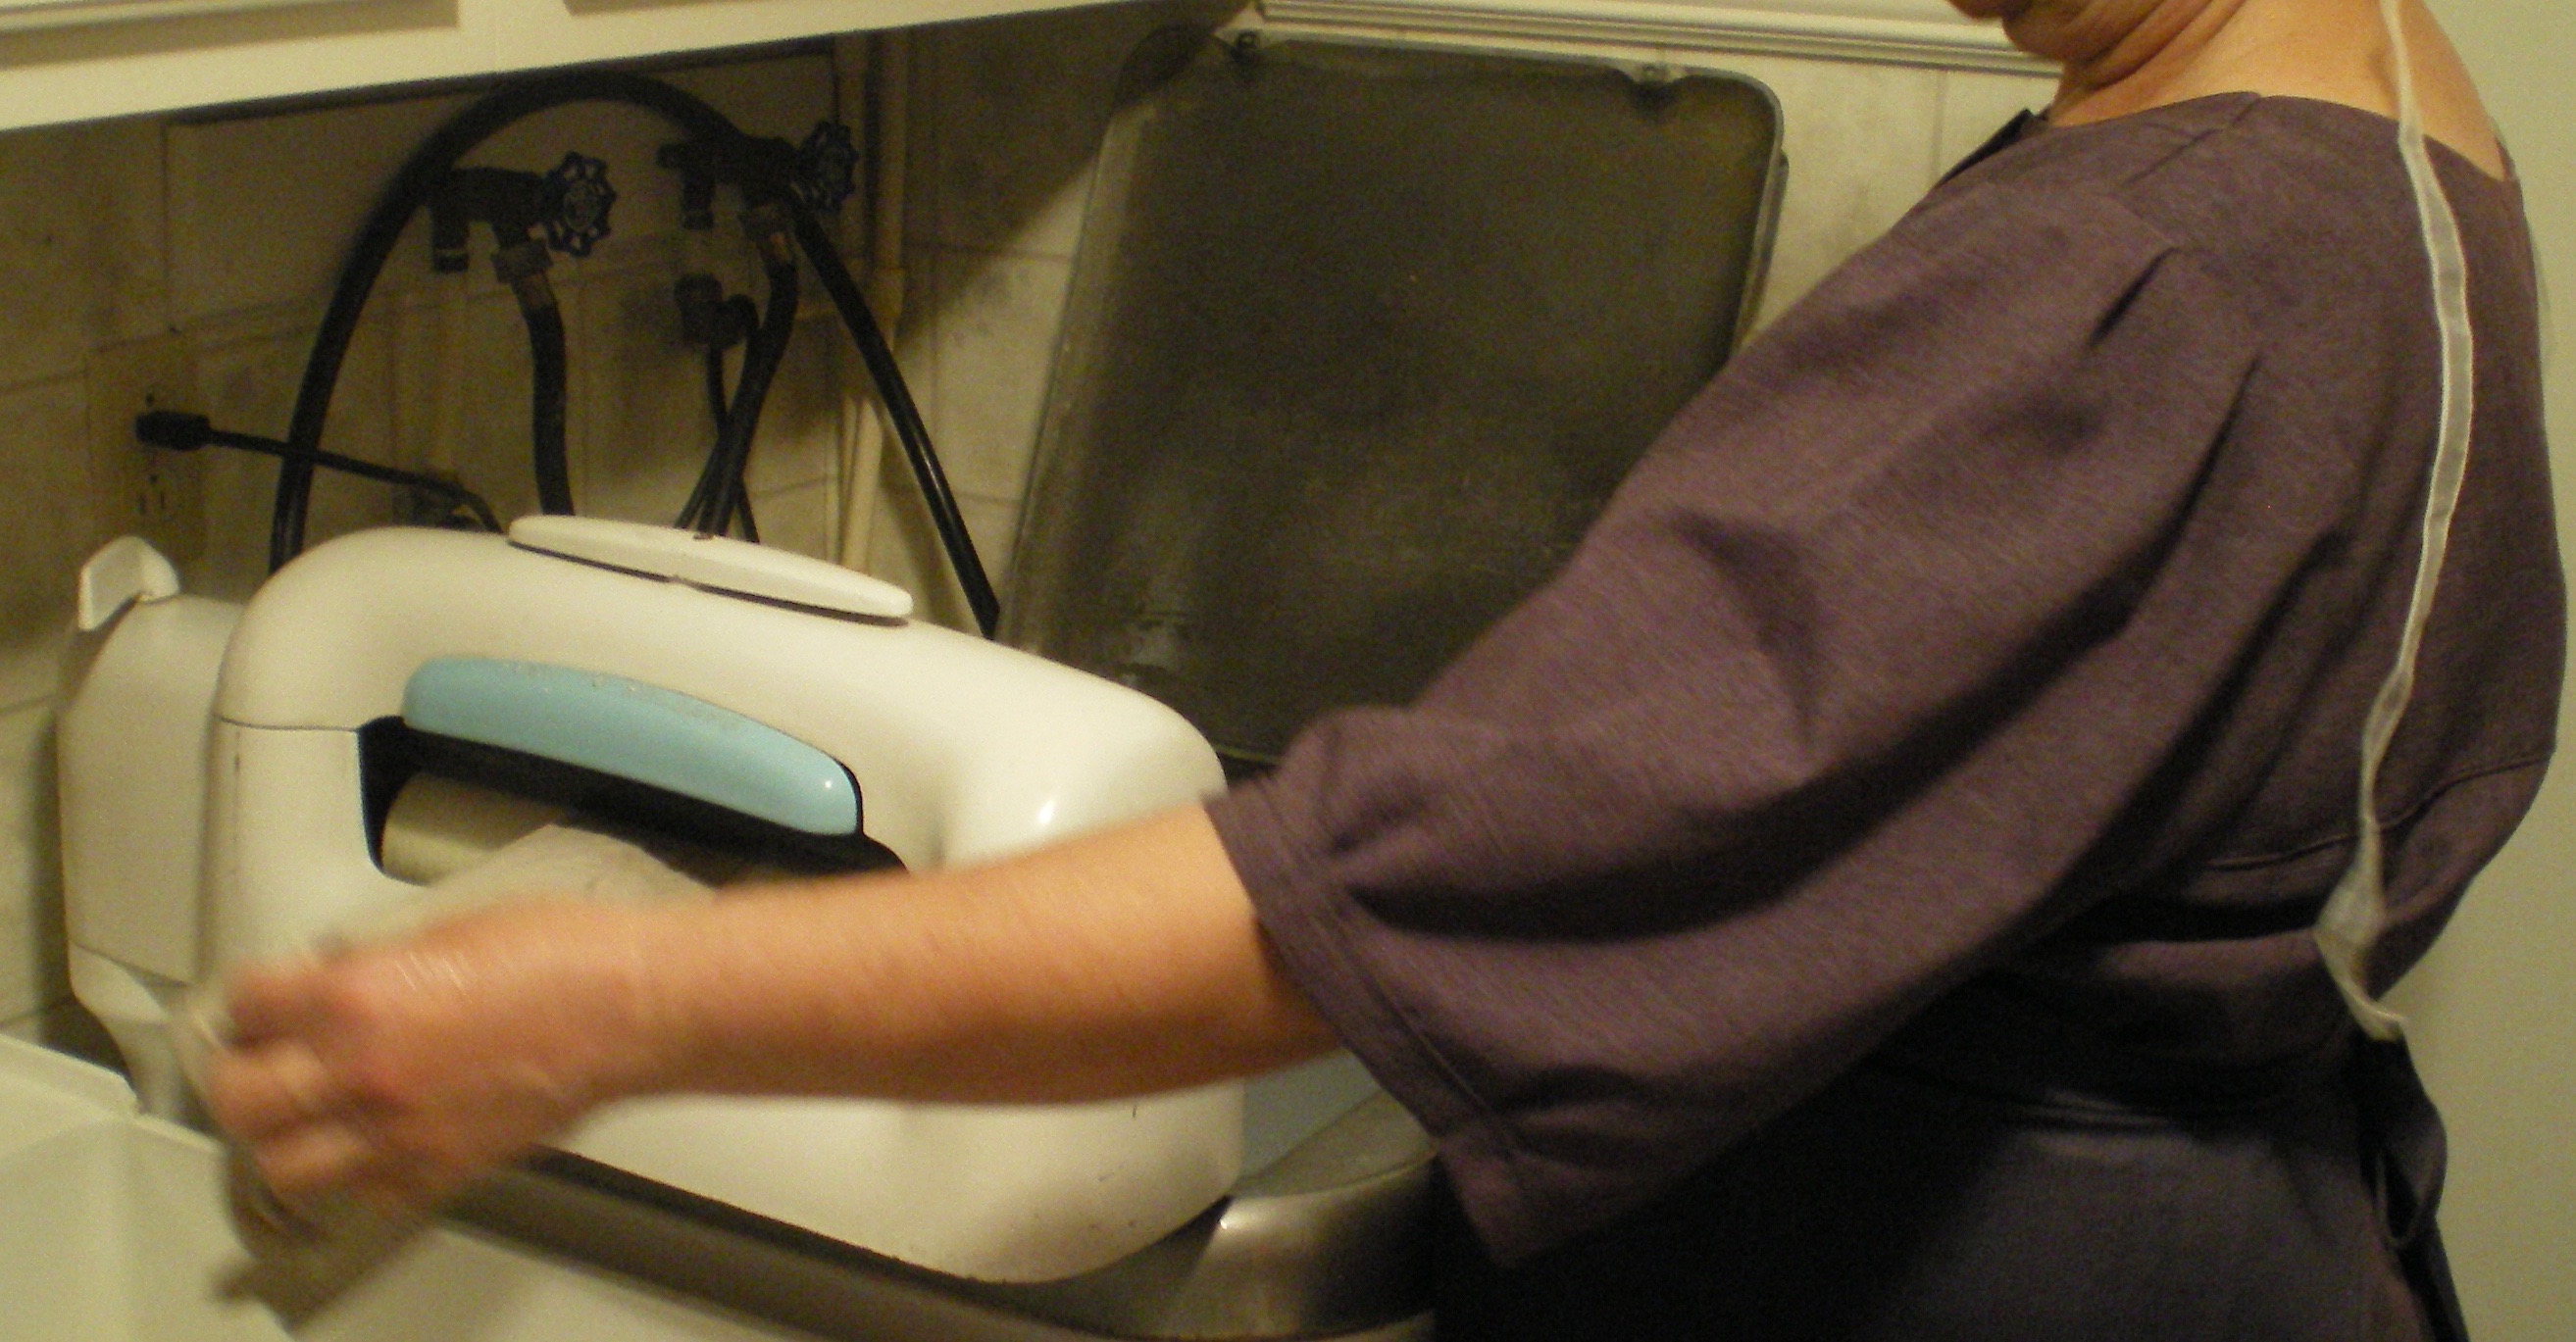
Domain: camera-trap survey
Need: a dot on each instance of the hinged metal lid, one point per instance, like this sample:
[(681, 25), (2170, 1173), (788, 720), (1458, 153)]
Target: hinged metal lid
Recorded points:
[(1359, 341)]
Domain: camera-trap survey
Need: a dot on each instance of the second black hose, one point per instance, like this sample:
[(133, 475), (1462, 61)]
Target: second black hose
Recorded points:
[(720, 492), (908, 428), (549, 388)]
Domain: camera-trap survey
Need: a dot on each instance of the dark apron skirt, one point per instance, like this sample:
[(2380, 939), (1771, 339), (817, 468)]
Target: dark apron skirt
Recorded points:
[(1952, 1189)]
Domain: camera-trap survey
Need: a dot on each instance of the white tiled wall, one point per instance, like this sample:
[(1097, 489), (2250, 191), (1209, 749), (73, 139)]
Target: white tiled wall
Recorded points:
[(229, 232), (80, 246)]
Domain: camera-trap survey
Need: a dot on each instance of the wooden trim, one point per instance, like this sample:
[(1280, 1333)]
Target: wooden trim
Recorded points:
[(21, 15), (1680, 27)]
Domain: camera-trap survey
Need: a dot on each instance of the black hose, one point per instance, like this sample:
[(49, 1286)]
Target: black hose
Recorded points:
[(549, 390), (908, 427), (762, 356), (716, 413), (716, 387), (712, 505)]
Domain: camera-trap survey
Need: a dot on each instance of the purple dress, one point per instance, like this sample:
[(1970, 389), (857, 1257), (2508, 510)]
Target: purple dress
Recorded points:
[(1866, 894)]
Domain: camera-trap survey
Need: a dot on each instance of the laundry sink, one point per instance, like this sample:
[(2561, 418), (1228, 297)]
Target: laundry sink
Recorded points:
[(112, 1230)]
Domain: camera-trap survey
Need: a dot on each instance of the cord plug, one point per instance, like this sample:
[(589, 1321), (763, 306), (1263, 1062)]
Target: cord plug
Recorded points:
[(176, 430), (708, 317)]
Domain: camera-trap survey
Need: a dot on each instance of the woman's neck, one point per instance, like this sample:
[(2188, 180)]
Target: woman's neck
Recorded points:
[(2125, 56)]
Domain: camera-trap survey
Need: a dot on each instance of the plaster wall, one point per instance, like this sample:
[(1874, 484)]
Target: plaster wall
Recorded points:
[(2494, 1006)]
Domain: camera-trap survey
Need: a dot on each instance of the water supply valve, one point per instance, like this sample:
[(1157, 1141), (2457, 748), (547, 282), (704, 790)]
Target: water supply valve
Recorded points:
[(512, 203), (696, 165), (827, 167), (576, 204)]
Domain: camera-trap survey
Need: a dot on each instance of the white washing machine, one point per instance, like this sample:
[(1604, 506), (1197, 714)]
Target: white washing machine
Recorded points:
[(238, 781)]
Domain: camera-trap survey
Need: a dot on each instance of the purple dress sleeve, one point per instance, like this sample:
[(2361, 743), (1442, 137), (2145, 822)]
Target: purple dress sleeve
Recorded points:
[(1828, 713)]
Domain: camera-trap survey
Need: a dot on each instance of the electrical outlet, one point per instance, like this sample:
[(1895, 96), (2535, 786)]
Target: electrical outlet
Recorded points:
[(137, 490)]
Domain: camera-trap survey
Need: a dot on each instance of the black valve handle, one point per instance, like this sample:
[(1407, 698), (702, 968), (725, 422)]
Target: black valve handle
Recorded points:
[(577, 201)]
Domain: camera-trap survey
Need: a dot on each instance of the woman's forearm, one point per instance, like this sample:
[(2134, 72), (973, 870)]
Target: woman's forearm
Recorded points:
[(1121, 964), (1117, 964)]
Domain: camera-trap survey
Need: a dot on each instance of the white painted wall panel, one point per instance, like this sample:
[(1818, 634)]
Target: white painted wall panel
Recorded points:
[(2495, 1005)]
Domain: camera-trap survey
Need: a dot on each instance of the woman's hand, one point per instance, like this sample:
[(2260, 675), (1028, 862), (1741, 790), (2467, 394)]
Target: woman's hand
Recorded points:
[(399, 1073)]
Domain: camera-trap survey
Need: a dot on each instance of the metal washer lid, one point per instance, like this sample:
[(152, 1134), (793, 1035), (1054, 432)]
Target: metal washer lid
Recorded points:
[(1359, 340)]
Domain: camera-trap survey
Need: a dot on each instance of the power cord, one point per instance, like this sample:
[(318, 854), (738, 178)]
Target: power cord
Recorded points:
[(179, 431)]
